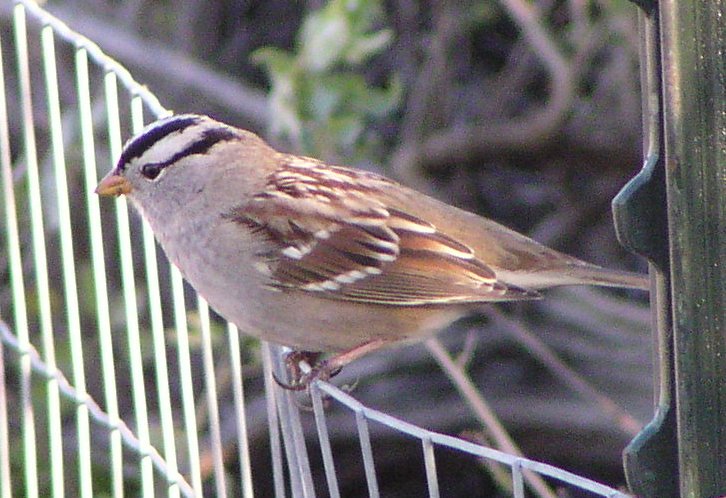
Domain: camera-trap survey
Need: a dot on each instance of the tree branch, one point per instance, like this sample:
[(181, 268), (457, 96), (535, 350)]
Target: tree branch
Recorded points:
[(171, 74)]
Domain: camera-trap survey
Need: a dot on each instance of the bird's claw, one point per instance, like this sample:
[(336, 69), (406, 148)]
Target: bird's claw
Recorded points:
[(303, 373)]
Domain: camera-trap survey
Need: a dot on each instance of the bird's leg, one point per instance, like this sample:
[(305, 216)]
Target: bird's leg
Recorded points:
[(324, 369), (336, 363)]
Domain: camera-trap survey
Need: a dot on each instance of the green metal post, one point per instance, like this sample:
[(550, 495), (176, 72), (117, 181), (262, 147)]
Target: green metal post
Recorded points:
[(693, 47), (682, 451), (640, 213)]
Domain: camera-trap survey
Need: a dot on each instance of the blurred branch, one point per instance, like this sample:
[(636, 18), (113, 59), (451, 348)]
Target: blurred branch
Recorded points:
[(429, 80), (431, 73), (172, 73), (532, 26), (571, 378), (483, 411), (530, 131)]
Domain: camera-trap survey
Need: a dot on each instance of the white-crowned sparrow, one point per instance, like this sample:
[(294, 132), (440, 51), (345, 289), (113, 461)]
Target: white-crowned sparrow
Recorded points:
[(319, 257)]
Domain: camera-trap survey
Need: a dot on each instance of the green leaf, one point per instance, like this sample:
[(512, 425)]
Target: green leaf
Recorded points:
[(323, 39), (347, 129), (319, 97), (274, 60), (366, 46)]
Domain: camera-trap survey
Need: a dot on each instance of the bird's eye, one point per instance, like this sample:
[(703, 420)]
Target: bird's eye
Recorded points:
[(151, 170)]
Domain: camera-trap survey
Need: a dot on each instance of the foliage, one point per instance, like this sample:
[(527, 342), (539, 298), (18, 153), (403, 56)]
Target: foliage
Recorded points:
[(318, 99)]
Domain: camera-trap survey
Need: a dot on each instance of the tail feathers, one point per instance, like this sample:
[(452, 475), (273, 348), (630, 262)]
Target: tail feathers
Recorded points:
[(576, 274), (595, 275)]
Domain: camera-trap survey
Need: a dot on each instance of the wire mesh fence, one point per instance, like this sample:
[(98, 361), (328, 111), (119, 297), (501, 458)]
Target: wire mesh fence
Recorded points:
[(115, 378)]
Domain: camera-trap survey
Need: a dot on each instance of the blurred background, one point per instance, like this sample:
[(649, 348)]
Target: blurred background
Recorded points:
[(527, 112)]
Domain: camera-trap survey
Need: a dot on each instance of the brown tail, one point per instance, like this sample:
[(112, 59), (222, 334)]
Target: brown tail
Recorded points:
[(596, 275), (575, 273)]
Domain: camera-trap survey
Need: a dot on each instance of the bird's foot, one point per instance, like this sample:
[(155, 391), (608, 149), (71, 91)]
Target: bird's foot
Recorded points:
[(305, 367)]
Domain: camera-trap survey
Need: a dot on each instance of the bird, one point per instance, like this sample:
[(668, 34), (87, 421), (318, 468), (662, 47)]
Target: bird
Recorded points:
[(323, 258)]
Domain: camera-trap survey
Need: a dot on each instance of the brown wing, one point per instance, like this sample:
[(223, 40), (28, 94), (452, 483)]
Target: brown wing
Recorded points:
[(354, 248)]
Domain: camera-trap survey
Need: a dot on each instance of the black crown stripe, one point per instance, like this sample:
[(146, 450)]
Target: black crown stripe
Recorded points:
[(208, 139), (145, 141)]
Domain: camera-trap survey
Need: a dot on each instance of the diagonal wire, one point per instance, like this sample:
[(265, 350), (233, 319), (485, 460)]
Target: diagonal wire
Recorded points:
[(467, 447), (97, 414), (96, 54), (483, 411)]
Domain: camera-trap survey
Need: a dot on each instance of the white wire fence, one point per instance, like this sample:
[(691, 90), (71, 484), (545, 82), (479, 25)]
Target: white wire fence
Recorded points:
[(114, 378)]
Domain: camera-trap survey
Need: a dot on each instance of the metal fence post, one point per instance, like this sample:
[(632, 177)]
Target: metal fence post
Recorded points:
[(682, 452), (640, 215), (693, 35)]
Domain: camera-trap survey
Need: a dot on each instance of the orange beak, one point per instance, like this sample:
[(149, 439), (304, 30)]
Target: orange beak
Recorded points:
[(113, 185)]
